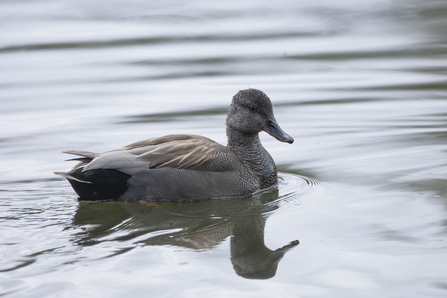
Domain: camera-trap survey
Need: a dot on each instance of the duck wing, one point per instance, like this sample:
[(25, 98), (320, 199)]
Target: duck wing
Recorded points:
[(189, 152)]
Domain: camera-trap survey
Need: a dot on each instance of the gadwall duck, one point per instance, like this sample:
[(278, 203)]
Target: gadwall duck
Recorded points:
[(186, 168)]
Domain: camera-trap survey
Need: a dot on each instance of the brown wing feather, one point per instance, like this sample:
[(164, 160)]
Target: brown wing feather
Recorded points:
[(162, 140), (184, 152)]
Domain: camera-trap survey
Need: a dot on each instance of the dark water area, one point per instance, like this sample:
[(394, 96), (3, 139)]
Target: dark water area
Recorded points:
[(360, 209)]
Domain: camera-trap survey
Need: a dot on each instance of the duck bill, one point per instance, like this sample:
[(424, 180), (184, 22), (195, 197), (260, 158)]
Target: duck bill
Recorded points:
[(273, 129)]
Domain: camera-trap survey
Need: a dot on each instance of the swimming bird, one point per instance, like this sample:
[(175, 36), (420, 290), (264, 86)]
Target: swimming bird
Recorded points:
[(183, 167)]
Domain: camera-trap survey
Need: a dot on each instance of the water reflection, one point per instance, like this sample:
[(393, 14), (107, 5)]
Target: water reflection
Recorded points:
[(198, 225)]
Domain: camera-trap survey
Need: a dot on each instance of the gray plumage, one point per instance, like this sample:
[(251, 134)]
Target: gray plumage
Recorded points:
[(187, 167)]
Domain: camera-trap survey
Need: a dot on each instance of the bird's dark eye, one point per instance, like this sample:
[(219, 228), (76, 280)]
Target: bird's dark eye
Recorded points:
[(252, 108)]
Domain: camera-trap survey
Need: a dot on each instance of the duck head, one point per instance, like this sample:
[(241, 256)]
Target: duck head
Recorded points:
[(251, 112)]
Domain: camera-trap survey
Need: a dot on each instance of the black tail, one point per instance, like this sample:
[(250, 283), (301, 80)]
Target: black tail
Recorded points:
[(99, 185)]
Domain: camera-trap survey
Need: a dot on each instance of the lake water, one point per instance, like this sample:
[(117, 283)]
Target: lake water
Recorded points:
[(360, 85)]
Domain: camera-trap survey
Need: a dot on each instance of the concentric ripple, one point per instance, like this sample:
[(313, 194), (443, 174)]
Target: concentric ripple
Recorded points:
[(296, 190)]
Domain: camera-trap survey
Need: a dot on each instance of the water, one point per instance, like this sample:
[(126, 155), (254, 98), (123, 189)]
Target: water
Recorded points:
[(360, 85)]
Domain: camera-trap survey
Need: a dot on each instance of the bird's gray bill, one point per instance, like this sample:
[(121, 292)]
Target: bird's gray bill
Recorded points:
[(275, 131)]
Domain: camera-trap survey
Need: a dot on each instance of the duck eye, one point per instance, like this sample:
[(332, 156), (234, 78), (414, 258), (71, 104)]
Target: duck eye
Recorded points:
[(252, 108)]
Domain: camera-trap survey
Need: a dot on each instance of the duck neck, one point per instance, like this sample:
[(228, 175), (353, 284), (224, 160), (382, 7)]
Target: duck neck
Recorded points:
[(242, 142), (252, 154)]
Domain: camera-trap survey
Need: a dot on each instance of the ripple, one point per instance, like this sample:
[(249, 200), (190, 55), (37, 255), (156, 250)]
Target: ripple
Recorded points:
[(293, 184), (138, 41), (172, 116), (297, 190)]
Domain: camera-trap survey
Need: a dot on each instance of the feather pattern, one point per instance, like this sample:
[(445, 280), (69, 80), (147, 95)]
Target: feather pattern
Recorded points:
[(174, 151)]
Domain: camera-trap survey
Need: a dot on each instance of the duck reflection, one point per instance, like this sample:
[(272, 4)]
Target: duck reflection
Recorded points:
[(198, 225)]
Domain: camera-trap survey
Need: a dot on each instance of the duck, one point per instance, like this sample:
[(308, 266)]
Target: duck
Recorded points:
[(186, 167)]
